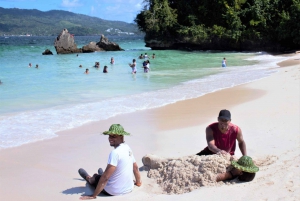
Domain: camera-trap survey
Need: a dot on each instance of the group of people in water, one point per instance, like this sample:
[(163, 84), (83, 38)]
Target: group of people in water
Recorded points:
[(146, 63), (30, 65), (133, 65)]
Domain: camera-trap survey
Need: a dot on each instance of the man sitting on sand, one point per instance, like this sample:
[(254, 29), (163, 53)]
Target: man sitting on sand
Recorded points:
[(243, 169), (222, 135), (117, 177)]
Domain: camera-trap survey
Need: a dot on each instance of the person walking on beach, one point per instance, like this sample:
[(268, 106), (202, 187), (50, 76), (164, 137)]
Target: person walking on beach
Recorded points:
[(221, 136), (117, 178), (133, 66), (224, 62)]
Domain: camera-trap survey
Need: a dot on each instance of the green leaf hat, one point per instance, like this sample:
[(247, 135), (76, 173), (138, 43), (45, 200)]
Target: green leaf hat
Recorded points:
[(245, 164), (116, 129)]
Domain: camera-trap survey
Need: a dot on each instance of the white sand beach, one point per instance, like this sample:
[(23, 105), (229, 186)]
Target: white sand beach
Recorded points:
[(267, 111)]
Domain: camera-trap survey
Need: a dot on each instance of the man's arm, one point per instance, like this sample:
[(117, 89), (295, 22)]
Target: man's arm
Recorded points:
[(137, 175), (242, 143), (211, 141), (102, 182)]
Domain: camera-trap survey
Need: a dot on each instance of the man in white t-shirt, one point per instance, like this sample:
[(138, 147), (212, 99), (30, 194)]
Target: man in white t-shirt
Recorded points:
[(117, 178)]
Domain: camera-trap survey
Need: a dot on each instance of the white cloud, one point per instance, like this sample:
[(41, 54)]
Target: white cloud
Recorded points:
[(70, 3)]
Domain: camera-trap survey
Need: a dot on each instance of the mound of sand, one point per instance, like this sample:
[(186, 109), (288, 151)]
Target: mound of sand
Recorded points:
[(181, 175)]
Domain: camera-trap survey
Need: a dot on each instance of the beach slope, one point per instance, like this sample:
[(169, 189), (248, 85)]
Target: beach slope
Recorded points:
[(266, 110)]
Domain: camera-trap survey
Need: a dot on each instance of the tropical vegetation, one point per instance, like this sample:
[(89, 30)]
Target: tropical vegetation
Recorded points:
[(221, 24)]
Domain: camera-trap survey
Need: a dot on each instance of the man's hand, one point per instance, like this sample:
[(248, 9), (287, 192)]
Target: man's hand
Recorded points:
[(137, 183), (222, 152), (87, 197)]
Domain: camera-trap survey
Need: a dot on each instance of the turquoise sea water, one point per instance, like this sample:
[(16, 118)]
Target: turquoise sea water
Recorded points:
[(37, 103)]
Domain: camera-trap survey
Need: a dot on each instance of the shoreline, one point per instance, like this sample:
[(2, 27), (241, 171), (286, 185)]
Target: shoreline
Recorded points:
[(170, 131), (91, 111)]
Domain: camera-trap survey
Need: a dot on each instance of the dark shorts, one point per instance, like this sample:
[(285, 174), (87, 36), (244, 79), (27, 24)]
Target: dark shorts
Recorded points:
[(97, 178), (205, 152)]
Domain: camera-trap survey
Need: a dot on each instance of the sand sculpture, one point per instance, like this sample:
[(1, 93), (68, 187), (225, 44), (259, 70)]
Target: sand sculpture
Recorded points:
[(182, 175)]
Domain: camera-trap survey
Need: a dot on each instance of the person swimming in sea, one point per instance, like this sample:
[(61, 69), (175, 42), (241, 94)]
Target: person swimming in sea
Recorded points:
[(112, 61), (105, 69)]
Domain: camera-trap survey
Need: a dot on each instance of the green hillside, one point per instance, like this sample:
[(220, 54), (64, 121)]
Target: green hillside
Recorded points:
[(37, 23)]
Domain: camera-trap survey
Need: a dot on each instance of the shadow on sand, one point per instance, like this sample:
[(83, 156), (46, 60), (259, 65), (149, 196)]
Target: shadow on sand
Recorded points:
[(81, 190)]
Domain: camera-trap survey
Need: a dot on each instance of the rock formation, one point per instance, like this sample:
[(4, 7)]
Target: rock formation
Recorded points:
[(107, 45), (47, 52), (65, 44), (91, 47)]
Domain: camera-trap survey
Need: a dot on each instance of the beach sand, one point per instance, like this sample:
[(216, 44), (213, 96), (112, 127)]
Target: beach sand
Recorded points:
[(266, 110)]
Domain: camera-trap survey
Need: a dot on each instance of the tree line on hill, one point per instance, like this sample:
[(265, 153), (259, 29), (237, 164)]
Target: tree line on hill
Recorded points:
[(271, 25), (34, 22)]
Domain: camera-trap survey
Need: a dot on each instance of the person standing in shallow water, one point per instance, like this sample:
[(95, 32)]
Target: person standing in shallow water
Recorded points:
[(105, 69), (133, 66), (224, 62), (112, 61)]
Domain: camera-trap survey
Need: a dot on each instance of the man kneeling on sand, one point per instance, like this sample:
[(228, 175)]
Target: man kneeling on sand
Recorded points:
[(117, 178), (221, 136)]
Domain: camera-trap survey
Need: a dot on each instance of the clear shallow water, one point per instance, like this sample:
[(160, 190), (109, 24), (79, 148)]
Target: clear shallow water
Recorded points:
[(36, 103)]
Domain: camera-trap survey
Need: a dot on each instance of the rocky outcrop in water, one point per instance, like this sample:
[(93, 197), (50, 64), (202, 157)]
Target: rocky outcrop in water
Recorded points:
[(91, 47), (105, 44), (65, 44), (47, 52)]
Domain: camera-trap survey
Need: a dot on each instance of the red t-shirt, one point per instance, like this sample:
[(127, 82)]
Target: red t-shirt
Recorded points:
[(225, 141)]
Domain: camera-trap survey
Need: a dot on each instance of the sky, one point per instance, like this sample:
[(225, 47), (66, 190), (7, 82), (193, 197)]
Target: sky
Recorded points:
[(117, 10)]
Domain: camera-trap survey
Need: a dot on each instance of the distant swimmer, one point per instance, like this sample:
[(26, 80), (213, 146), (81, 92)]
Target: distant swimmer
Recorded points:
[(29, 65), (224, 62), (1, 82), (146, 56), (141, 56), (105, 69), (112, 61), (37, 66), (133, 66), (86, 71), (146, 66), (77, 55), (153, 56), (80, 66), (97, 65)]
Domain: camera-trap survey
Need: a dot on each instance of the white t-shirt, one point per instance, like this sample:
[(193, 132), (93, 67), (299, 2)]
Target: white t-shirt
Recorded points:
[(121, 181)]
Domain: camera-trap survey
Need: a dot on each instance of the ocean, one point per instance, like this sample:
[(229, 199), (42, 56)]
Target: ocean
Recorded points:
[(37, 103)]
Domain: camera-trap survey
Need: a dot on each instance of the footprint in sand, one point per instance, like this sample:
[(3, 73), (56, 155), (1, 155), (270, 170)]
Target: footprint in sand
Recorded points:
[(265, 161)]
